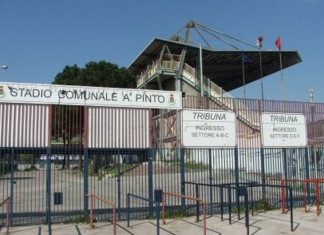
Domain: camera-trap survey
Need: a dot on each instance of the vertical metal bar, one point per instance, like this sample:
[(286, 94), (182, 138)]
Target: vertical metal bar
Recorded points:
[(118, 184), (229, 205), (210, 181), (317, 197), (7, 213), (246, 205), (307, 175), (291, 210), (285, 172), (114, 220), (283, 199), (237, 181), (204, 216), (150, 181), (157, 205), (201, 72), (222, 202), (252, 204), (85, 181), (91, 211), (163, 208), (128, 208), (197, 202), (12, 163), (305, 197), (263, 173), (182, 176), (48, 190)]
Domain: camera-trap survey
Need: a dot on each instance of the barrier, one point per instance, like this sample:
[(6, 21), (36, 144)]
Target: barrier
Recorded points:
[(7, 202), (187, 197), (239, 191), (148, 200), (305, 181), (92, 196)]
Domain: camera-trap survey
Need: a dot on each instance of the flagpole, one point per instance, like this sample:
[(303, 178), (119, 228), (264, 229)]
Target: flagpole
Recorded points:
[(243, 72), (282, 79), (201, 72), (261, 75), (259, 44), (278, 44)]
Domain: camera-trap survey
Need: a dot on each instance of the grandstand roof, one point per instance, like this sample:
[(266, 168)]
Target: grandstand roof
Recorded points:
[(223, 67)]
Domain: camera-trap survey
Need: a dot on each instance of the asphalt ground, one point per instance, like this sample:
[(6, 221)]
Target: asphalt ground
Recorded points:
[(270, 222)]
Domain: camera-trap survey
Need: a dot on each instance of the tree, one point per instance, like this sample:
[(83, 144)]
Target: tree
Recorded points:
[(99, 74)]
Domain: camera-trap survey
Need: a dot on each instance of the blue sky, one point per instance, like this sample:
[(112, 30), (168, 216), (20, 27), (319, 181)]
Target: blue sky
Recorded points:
[(39, 38)]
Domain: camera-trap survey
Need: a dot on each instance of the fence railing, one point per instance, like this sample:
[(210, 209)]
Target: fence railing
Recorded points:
[(164, 194), (157, 209), (6, 202), (31, 179), (92, 197)]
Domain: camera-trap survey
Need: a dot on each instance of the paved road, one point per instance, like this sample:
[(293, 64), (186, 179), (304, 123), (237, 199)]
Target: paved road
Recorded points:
[(271, 222)]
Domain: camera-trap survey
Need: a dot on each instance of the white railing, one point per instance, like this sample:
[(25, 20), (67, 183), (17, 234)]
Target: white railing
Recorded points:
[(215, 92)]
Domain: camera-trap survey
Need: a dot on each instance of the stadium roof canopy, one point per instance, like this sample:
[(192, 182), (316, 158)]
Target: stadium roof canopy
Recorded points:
[(223, 67)]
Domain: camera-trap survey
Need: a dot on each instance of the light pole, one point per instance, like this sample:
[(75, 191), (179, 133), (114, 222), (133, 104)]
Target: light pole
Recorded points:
[(3, 66)]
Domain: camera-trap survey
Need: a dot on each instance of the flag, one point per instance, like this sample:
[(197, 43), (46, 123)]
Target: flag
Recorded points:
[(245, 58), (259, 42), (278, 43)]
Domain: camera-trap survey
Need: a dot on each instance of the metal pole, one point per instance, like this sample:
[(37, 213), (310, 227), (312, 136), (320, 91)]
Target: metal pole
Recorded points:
[(313, 129), (118, 184), (128, 208), (222, 203), (157, 205), (48, 191), (282, 80), (114, 220), (91, 211), (150, 181), (261, 75), (201, 72), (243, 73), (85, 180), (197, 203), (291, 210), (229, 205), (210, 180)]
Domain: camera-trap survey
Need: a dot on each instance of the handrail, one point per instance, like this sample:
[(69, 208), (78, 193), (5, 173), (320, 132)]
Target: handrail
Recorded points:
[(190, 198), (7, 200), (248, 185), (92, 196), (215, 92), (148, 200), (316, 181)]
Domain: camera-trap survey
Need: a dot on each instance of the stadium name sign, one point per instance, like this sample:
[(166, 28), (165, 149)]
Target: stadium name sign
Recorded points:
[(283, 130), (88, 96), (208, 128)]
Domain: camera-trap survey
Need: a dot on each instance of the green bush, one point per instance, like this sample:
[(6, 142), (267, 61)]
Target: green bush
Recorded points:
[(263, 205), (77, 220)]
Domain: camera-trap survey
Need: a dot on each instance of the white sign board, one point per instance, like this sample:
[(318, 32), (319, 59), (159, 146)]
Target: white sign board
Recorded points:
[(88, 96), (283, 130), (202, 128)]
